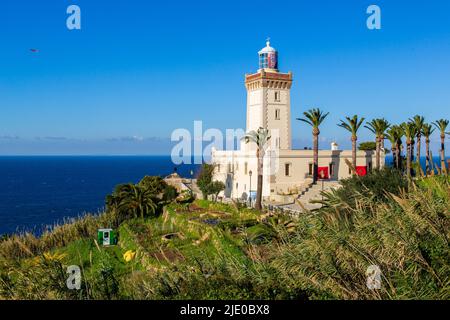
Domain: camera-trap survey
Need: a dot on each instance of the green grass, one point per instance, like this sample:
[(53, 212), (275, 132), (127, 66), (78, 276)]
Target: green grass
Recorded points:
[(217, 251)]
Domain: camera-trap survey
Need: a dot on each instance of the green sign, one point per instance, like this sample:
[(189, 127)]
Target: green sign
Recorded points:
[(106, 237)]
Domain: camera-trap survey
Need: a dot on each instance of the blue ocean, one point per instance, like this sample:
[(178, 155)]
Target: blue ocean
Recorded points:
[(36, 192)]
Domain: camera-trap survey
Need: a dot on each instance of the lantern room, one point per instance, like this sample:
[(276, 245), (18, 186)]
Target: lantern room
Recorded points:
[(268, 58)]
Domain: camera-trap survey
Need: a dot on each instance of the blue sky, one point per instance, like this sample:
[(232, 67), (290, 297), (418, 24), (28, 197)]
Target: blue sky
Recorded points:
[(137, 70)]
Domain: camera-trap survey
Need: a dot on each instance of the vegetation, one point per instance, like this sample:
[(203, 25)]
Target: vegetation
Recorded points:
[(378, 127), (419, 123), (352, 125), (139, 200), (207, 250), (395, 135), (260, 138), (441, 125), (410, 132), (206, 184), (367, 146), (315, 117), (174, 247), (427, 131)]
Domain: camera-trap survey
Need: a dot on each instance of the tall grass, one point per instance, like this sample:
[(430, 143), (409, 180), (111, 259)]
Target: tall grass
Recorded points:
[(406, 235), (382, 219), (27, 245)]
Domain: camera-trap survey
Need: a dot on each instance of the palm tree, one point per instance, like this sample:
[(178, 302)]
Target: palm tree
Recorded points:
[(442, 126), (260, 138), (419, 121), (352, 125), (427, 131), (134, 199), (378, 127), (314, 117), (409, 129), (394, 134)]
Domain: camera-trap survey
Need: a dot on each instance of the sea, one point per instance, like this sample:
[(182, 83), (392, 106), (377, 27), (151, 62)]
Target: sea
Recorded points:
[(40, 191), (37, 192)]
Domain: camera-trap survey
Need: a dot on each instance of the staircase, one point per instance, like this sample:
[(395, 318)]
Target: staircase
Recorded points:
[(312, 193)]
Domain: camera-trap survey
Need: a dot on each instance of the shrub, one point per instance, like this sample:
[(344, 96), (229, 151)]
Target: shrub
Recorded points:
[(406, 235), (367, 146), (170, 194), (154, 184), (376, 185)]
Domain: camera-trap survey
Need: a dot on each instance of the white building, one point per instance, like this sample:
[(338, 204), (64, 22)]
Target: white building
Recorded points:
[(286, 171)]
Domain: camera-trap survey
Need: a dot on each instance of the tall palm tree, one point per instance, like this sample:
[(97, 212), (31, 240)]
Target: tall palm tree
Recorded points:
[(352, 125), (409, 129), (314, 117), (419, 121), (442, 124), (394, 135), (260, 138), (400, 148), (427, 131), (378, 127)]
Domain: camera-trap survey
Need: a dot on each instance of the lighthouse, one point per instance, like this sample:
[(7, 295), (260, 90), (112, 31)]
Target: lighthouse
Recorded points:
[(287, 172), (268, 98)]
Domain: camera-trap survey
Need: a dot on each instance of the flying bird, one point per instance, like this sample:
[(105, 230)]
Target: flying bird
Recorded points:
[(34, 50)]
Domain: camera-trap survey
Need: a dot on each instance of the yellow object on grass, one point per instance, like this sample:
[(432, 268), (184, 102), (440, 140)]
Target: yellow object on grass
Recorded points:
[(129, 255)]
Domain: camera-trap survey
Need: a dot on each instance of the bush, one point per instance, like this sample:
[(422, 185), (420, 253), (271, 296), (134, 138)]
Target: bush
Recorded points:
[(170, 194), (376, 185), (154, 184), (406, 235), (367, 146)]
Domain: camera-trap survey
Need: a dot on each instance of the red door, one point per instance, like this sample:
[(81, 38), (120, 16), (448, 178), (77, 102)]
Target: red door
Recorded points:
[(361, 170), (323, 173)]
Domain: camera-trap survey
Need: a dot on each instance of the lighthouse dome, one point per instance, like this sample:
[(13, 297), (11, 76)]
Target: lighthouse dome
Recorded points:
[(267, 48), (268, 58)]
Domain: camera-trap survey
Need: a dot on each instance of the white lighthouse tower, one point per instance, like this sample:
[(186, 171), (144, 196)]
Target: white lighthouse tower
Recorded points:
[(268, 99), (287, 172)]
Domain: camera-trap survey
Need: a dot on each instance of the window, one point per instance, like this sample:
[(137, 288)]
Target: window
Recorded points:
[(277, 142), (287, 169), (218, 167), (263, 61), (277, 114), (331, 169), (246, 168), (229, 167), (277, 96), (310, 169), (370, 166)]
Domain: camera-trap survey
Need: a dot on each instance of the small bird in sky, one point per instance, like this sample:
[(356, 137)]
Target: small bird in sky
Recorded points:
[(34, 50)]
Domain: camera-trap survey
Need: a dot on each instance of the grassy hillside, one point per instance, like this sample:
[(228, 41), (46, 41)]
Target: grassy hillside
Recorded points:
[(206, 250)]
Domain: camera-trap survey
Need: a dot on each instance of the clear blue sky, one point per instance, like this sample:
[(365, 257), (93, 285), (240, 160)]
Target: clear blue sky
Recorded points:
[(144, 68)]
